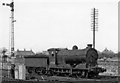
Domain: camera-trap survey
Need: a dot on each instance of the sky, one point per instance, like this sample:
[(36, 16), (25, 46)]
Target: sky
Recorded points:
[(44, 24)]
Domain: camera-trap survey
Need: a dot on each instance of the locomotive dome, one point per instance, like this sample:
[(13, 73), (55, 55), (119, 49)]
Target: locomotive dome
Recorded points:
[(74, 47)]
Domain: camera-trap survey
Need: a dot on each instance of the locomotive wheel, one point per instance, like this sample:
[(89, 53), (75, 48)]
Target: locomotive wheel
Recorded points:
[(92, 74), (43, 71), (96, 75), (30, 70), (84, 74), (38, 71), (50, 73)]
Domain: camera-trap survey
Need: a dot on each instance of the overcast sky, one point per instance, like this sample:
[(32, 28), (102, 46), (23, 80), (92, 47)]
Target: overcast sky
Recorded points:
[(42, 24)]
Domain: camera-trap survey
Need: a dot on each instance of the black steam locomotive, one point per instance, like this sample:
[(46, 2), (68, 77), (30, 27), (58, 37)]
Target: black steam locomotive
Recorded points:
[(63, 62)]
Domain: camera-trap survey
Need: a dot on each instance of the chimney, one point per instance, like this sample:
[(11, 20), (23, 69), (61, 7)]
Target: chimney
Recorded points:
[(17, 50), (24, 49), (89, 45)]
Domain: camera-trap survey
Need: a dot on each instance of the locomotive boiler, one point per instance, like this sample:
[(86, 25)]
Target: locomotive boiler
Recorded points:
[(74, 57), (64, 62)]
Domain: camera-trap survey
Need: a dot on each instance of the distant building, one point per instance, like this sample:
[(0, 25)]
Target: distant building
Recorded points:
[(22, 53), (4, 58), (106, 51), (107, 54)]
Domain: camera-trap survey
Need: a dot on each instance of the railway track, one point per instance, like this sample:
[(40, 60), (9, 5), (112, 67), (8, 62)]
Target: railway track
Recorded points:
[(108, 77), (56, 79)]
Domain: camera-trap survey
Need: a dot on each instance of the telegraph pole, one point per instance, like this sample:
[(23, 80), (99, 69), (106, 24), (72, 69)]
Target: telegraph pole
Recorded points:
[(11, 5), (94, 23)]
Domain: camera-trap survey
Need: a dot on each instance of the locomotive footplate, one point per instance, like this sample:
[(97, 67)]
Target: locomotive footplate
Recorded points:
[(87, 72), (94, 72), (97, 70)]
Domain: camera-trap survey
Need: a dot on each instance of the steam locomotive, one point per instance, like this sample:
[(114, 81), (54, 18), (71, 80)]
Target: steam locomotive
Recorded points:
[(64, 62)]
